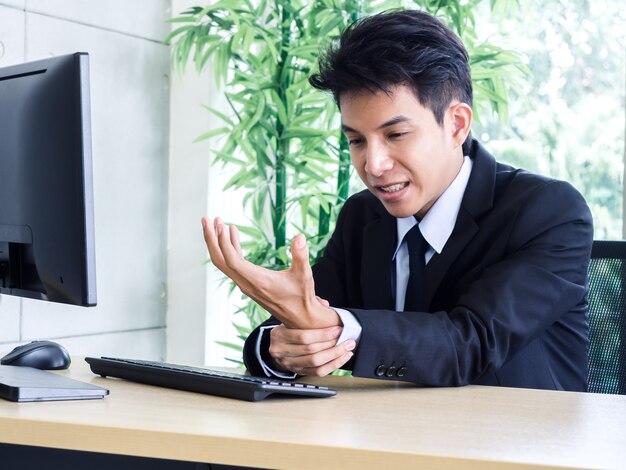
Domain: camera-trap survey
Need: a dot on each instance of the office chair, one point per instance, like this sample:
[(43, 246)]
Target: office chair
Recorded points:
[(607, 318)]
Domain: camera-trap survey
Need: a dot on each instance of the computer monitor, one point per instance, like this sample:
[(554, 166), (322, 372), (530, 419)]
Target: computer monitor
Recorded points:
[(47, 249)]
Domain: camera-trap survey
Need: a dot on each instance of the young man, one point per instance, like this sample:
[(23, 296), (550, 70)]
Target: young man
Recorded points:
[(450, 268)]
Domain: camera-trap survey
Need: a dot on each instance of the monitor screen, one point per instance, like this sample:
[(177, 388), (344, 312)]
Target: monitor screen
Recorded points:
[(47, 247)]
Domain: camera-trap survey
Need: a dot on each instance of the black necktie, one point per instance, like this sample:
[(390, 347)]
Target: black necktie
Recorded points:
[(414, 299)]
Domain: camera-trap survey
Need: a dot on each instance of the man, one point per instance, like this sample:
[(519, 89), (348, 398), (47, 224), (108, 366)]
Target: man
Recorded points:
[(450, 268)]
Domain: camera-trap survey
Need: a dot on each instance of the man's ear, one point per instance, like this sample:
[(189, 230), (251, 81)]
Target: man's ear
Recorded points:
[(461, 115)]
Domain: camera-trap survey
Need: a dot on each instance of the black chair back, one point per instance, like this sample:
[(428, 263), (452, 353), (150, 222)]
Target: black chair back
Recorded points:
[(607, 318)]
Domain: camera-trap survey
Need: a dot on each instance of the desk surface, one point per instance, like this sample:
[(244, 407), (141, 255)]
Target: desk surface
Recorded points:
[(369, 424)]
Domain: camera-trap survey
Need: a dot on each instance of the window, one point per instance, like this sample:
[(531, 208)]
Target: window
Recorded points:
[(566, 118)]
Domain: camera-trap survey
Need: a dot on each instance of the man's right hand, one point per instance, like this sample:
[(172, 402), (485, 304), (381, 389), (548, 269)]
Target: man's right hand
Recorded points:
[(309, 352)]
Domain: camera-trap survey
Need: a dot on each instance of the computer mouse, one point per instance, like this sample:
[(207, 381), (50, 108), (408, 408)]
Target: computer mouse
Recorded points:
[(46, 355)]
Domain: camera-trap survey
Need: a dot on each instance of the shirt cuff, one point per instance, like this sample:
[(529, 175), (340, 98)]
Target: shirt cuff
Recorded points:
[(351, 327), (267, 369)]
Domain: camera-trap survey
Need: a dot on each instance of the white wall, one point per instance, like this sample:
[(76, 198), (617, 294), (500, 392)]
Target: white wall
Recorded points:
[(130, 120), (199, 311)]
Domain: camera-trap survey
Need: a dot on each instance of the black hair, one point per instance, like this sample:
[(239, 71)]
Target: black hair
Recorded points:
[(406, 47)]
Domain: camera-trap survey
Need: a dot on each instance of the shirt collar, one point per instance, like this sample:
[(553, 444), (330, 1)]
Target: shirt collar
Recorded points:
[(438, 223)]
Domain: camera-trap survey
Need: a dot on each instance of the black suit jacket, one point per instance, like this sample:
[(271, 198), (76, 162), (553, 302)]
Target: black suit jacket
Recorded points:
[(507, 294)]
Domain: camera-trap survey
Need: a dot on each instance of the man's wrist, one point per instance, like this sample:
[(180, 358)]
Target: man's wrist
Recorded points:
[(324, 317), (269, 366)]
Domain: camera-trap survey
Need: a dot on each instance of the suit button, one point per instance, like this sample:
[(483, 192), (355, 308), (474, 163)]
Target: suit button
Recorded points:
[(391, 371), (380, 370), (401, 372)]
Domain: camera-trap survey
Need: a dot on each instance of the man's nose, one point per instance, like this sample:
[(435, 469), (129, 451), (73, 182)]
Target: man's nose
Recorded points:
[(378, 160)]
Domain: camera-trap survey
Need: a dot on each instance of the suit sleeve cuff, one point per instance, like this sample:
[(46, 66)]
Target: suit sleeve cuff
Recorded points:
[(267, 370), (351, 326)]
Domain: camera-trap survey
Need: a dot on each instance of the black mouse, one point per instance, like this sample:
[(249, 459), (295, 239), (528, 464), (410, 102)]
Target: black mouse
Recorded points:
[(46, 355)]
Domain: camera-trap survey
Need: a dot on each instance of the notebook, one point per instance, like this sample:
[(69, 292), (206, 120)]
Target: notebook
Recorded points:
[(27, 384)]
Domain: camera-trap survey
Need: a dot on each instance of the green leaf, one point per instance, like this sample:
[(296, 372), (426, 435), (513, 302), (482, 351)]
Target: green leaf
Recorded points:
[(239, 362), (243, 330), (302, 133), (311, 174), (181, 19), (176, 32), (270, 44), (330, 25), (220, 115), (280, 107), (248, 40), (229, 345), (211, 133), (260, 108)]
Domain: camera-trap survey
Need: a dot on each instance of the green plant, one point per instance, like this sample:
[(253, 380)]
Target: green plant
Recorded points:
[(280, 135)]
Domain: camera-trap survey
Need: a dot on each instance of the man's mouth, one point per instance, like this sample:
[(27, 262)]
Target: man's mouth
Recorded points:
[(392, 188)]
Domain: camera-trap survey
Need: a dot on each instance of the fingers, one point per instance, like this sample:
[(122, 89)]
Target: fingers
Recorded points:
[(287, 343), (300, 350), (234, 239), (301, 268), (282, 334), (309, 352), (300, 254), (328, 368), (210, 237), (322, 363), (289, 295), (224, 247), (225, 241), (225, 250)]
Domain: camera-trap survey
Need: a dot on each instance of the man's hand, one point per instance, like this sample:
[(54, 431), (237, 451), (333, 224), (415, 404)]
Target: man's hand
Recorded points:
[(309, 352), (288, 295)]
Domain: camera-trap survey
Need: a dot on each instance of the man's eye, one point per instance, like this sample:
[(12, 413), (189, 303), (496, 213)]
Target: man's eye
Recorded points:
[(354, 141), (395, 135)]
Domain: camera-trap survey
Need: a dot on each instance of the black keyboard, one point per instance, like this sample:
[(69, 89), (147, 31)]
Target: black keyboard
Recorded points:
[(198, 379)]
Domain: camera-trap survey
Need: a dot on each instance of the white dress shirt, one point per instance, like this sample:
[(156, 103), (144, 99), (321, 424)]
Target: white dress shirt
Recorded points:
[(436, 228)]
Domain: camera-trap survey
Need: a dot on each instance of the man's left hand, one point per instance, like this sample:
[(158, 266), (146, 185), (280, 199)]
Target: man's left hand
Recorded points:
[(288, 295)]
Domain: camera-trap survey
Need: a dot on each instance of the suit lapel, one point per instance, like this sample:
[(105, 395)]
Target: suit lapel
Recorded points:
[(477, 199), (464, 230), (379, 242)]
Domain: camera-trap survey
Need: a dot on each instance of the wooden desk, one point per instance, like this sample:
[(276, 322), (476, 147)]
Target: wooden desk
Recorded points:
[(369, 424)]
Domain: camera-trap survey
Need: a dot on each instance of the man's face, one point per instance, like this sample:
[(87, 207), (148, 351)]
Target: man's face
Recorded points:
[(404, 157)]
